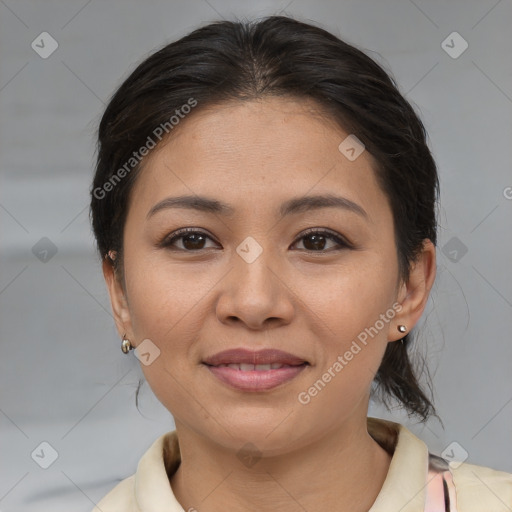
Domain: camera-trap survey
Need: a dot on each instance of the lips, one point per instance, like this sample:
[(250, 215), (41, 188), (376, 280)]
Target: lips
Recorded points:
[(247, 360), (255, 371), (246, 367)]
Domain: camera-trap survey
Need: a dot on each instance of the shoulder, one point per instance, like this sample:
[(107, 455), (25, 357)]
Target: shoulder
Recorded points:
[(480, 488), (149, 487), (121, 497), (465, 487)]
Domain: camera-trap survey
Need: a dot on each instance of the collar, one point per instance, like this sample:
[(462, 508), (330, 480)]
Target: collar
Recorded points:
[(403, 489)]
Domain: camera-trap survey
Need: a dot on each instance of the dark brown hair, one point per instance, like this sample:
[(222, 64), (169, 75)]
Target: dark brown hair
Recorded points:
[(277, 56)]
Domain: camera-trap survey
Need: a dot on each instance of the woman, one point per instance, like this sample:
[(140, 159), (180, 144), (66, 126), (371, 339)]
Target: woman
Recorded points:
[(265, 206)]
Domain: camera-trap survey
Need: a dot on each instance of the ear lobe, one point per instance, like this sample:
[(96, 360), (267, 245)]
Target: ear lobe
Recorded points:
[(118, 300), (414, 294)]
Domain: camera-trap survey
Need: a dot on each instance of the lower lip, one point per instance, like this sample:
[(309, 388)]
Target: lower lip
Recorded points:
[(255, 380)]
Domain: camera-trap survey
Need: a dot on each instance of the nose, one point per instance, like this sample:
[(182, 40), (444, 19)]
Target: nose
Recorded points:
[(256, 293)]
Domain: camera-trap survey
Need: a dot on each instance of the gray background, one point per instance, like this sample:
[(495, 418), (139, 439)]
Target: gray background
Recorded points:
[(63, 378)]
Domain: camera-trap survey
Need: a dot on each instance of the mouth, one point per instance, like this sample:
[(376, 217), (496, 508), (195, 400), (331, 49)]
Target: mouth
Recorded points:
[(247, 367), (240, 356), (262, 370)]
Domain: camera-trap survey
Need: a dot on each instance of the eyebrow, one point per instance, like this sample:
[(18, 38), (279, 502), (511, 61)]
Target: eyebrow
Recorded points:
[(290, 207)]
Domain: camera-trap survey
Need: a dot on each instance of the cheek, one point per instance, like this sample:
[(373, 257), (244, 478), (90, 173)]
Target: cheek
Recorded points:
[(167, 306), (350, 300), (164, 297), (356, 312)]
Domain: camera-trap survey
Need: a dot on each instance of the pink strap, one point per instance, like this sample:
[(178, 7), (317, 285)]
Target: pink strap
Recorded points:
[(451, 491), (435, 492), (436, 499)]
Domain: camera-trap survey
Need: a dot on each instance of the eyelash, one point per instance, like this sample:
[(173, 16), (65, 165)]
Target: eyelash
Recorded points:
[(181, 233)]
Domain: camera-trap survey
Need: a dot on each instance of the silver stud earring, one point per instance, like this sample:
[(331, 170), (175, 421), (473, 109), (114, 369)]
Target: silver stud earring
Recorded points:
[(402, 328), (126, 345)]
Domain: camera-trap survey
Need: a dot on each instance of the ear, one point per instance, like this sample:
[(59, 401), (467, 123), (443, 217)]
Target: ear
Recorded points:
[(414, 294), (117, 299)]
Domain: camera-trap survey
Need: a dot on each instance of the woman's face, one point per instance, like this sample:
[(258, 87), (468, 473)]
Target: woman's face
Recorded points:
[(254, 278)]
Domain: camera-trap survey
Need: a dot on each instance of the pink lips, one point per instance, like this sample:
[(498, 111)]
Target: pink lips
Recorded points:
[(255, 370)]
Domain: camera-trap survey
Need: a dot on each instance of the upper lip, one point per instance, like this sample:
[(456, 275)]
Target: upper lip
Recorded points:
[(241, 355)]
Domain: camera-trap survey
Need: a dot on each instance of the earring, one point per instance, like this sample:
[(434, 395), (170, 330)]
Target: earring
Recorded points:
[(126, 346), (402, 328)]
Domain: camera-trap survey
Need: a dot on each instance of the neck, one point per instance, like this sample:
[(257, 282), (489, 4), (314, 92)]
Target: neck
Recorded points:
[(343, 470)]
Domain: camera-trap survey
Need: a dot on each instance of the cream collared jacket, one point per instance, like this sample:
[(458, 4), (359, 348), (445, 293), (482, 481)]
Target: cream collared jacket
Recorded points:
[(417, 481)]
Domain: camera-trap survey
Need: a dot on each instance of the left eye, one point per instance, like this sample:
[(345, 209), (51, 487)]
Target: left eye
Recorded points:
[(318, 239), (193, 240)]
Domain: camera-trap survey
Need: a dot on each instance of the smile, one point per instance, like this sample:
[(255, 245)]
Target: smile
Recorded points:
[(260, 377), (245, 367)]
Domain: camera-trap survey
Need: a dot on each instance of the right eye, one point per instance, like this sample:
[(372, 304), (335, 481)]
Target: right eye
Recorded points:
[(192, 240)]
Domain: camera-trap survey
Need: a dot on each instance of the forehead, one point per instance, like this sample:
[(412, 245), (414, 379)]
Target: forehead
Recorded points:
[(256, 152)]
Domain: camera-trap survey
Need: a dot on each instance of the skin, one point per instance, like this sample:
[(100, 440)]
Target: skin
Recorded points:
[(254, 156)]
